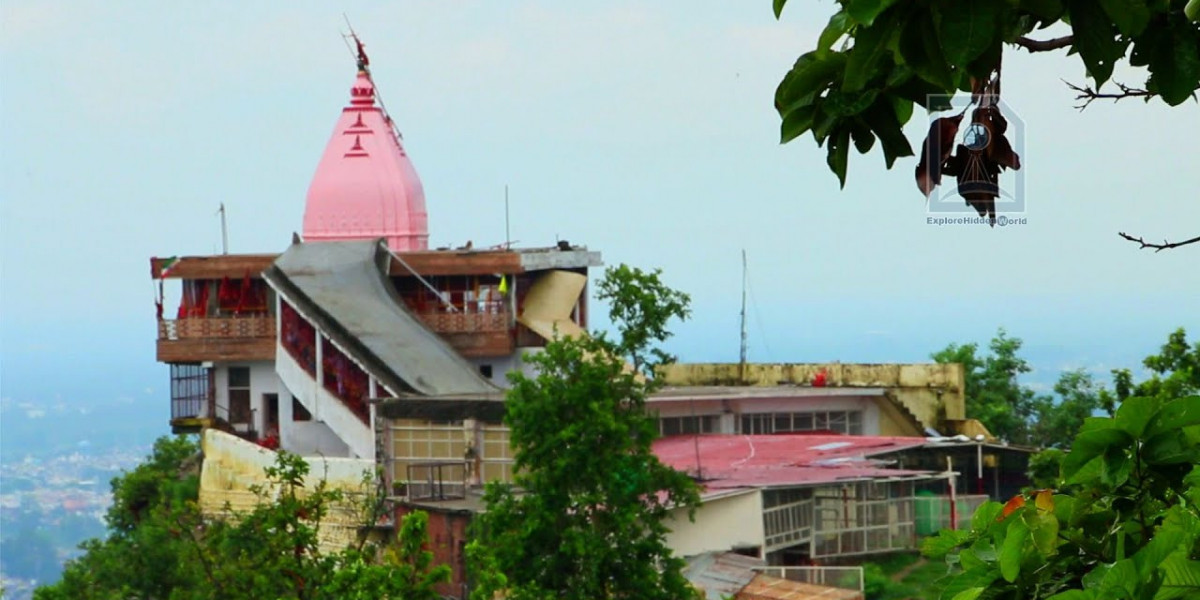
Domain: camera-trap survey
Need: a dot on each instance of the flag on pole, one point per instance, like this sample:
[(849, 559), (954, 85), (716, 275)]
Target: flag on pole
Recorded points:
[(503, 285), (165, 265)]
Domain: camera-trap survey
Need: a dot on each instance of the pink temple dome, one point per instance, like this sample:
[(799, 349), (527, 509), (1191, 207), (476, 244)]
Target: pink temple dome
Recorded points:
[(365, 185)]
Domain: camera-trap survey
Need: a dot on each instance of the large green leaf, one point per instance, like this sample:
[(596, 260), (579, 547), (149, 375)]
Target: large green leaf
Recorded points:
[(843, 104), (1181, 577), (1096, 39), (838, 25), (946, 540), (1044, 528), (920, 50), (1120, 581), (1116, 467), (865, 11), (806, 80), (1170, 448), (1048, 11), (1072, 595), (967, 28), (870, 45), (968, 594), (1175, 62), (1165, 542), (984, 516), (839, 153), (967, 580), (1090, 444), (795, 123), (1175, 414), (863, 139), (883, 121), (1130, 16), (1012, 550), (1135, 412), (777, 5)]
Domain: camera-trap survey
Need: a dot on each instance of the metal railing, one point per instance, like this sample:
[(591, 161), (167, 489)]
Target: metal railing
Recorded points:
[(788, 524), (257, 326), (463, 322), (846, 526), (438, 480), (933, 512)]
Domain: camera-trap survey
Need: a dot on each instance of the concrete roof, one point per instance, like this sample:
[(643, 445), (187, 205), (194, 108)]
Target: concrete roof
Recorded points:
[(720, 392), (341, 286)]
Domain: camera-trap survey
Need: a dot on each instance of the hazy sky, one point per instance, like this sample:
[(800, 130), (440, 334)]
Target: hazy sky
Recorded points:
[(644, 130)]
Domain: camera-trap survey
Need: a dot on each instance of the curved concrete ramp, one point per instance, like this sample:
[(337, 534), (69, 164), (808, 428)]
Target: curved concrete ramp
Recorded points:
[(341, 287)]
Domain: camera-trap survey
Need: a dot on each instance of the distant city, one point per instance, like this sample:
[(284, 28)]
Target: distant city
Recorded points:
[(56, 463)]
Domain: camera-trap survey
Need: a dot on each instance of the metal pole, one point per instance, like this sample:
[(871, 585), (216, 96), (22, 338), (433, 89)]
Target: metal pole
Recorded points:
[(953, 496), (507, 237), (742, 359), (435, 291), (224, 231)]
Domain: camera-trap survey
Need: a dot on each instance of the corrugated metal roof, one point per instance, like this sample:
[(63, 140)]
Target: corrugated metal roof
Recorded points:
[(341, 285), (721, 574), (733, 461)]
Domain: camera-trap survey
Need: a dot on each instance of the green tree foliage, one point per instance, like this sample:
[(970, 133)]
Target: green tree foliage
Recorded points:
[(1174, 373), (994, 395), (1124, 524), (161, 547), (585, 518), (876, 58)]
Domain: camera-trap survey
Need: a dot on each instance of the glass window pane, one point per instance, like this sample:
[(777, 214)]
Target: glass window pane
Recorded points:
[(783, 422), (804, 421), (239, 377)]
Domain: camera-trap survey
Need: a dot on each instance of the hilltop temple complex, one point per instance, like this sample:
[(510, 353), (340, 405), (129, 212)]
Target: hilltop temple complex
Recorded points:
[(361, 348)]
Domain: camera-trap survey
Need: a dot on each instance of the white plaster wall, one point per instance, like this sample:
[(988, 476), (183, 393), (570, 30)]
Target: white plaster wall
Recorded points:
[(749, 406), (307, 438), (685, 408), (721, 524), (263, 380), (502, 365), (325, 407)]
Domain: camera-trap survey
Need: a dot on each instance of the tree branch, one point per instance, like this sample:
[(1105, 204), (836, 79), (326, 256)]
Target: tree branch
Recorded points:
[(1158, 247), (1087, 94), (1045, 45)]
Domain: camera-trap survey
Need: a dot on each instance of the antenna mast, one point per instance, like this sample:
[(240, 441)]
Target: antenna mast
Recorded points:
[(224, 231), (507, 237), (742, 359)]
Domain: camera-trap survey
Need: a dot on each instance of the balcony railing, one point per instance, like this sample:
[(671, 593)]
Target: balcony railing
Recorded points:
[(462, 322), (257, 326)]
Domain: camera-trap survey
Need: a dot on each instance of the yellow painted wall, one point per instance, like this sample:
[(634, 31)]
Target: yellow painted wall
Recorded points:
[(232, 465), (931, 392)]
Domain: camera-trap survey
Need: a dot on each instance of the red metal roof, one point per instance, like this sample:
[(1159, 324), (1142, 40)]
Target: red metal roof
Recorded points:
[(734, 461)]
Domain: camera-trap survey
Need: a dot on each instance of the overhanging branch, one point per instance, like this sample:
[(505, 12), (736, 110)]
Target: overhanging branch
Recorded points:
[(1158, 247), (1045, 45), (1086, 94)]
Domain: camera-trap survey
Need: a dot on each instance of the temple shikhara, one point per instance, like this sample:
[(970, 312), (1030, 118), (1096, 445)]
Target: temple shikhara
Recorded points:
[(361, 348)]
